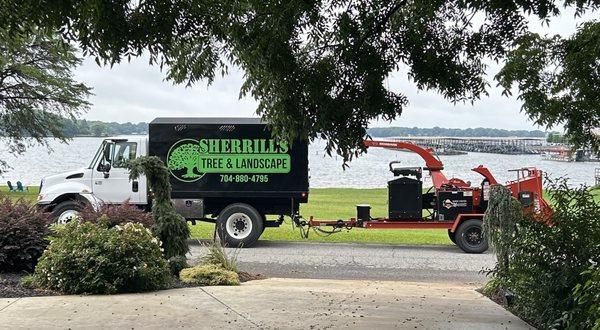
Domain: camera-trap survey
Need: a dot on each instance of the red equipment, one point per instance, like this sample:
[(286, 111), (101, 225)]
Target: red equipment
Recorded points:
[(453, 204)]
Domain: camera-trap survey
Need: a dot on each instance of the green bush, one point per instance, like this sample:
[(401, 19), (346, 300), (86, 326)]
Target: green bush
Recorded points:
[(117, 214), (218, 256), (177, 263), (542, 264), (586, 312), (93, 258), (23, 231), (209, 274)]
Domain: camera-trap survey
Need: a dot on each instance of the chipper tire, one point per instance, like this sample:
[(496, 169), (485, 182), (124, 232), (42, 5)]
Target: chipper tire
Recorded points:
[(469, 236), (239, 225), (452, 236)]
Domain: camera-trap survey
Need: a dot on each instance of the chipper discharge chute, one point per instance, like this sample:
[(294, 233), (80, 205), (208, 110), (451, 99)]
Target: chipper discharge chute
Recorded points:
[(451, 204)]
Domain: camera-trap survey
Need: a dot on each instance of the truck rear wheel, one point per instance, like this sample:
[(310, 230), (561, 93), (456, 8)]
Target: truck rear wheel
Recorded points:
[(469, 236), (239, 225), (66, 211)]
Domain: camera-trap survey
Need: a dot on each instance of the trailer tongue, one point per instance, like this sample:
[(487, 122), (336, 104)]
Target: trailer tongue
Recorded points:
[(451, 204)]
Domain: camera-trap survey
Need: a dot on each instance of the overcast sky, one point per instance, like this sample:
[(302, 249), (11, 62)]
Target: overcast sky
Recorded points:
[(137, 92)]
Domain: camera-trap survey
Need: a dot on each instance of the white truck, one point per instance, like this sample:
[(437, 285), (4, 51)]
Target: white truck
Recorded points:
[(229, 171)]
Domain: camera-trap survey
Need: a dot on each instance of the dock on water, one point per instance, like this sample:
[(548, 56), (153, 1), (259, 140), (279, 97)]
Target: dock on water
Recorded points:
[(511, 146)]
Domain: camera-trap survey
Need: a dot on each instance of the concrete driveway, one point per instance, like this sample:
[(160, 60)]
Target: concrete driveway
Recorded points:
[(361, 261), (269, 304)]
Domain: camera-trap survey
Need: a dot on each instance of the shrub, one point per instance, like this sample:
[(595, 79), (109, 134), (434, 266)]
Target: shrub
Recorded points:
[(177, 263), (209, 274), (93, 258), (119, 214), (170, 227), (586, 312), (542, 264), (28, 281), (23, 231), (218, 256)]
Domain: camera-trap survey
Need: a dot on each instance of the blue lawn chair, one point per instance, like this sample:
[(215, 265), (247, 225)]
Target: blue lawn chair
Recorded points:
[(10, 186), (21, 188)]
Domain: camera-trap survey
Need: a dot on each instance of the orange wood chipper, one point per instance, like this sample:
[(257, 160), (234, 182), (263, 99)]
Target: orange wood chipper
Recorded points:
[(451, 204)]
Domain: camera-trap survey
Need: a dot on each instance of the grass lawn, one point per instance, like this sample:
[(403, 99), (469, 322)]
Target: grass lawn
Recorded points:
[(30, 194)]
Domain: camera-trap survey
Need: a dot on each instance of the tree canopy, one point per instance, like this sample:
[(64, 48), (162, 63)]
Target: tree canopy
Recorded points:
[(37, 89), (319, 68), (559, 81)]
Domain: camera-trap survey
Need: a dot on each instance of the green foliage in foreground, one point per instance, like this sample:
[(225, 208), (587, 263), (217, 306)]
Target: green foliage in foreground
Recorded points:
[(169, 226), (587, 301), (93, 258), (218, 256), (209, 274), (23, 234), (545, 266), (215, 268)]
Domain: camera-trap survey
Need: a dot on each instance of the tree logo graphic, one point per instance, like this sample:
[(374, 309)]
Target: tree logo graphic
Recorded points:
[(182, 160)]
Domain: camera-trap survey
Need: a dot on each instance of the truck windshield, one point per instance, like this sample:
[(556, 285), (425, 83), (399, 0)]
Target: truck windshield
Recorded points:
[(98, 153)]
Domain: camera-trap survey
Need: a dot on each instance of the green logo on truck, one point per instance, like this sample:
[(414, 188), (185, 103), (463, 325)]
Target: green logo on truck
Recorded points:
[(189, 160)]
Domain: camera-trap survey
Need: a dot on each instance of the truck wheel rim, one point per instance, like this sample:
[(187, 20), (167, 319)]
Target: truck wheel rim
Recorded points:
[(239, 225), (66, 216)]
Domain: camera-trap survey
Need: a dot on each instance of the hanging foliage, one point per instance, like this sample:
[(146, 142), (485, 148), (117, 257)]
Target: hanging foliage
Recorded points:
[(170, 227), (543, 266), (503, 214)]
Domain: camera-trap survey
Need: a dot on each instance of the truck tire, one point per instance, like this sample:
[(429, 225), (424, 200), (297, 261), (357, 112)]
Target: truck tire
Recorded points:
[(469, 236), (239, 225), (66, 211), (452, 236)]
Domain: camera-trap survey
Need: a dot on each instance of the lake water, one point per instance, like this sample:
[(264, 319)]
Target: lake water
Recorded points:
[(368, 171)]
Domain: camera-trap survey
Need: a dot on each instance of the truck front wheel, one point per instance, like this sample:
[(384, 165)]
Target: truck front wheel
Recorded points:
[(66, 211), (469, 236), (239, 225)]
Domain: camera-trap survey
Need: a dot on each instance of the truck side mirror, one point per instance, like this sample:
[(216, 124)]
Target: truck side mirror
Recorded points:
[(106, 170)]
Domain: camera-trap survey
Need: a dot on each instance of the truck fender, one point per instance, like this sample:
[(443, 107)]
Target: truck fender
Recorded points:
[(463, 217), (69, 191)]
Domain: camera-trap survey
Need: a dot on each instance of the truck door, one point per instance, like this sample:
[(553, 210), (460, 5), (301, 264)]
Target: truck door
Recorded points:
[(110, 179)]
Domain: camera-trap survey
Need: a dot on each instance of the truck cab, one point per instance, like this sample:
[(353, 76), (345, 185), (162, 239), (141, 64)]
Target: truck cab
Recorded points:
[(105, 180)]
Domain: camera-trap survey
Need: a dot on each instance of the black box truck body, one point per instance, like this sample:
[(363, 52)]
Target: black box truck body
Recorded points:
[(231, 170)]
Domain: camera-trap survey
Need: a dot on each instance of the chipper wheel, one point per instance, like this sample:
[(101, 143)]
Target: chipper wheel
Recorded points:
[(239, 225), (452, 236), (469, 236)]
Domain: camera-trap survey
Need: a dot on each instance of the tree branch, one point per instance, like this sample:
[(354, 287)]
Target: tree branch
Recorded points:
[(379, 26)]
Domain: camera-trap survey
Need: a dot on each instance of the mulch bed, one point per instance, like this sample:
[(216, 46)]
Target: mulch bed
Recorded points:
[(10, 285)]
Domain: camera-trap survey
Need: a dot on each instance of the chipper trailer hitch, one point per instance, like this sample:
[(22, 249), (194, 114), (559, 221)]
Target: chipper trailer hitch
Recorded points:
[(451, 204)]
